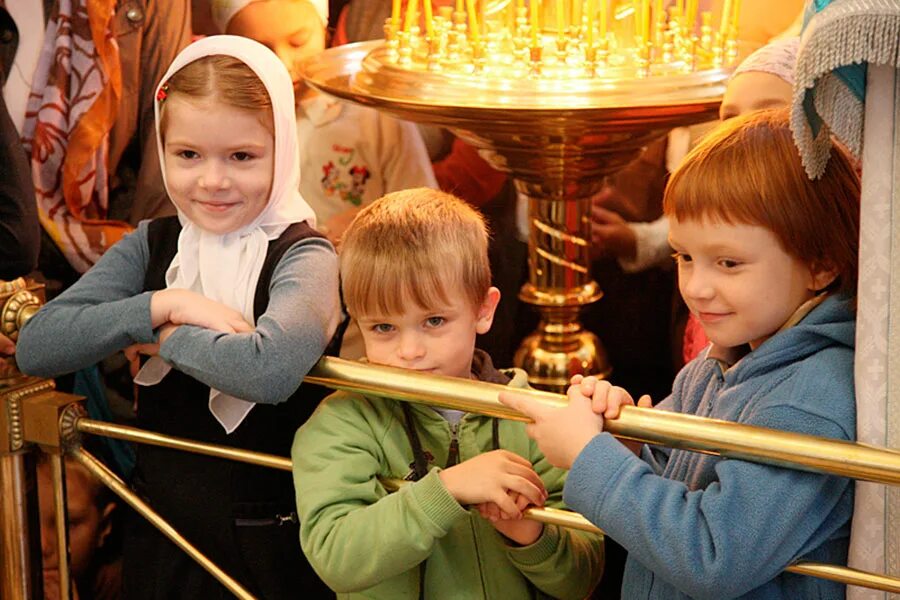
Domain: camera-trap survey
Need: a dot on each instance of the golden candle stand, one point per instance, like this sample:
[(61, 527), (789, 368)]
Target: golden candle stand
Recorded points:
[(556, 101)]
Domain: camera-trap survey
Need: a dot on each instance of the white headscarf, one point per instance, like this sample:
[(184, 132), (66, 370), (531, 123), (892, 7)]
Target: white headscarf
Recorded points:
[(777, 58), (226, 268), (224, 10)]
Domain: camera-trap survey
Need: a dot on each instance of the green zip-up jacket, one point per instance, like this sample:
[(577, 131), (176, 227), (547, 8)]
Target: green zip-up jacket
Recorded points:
[(368, 543)]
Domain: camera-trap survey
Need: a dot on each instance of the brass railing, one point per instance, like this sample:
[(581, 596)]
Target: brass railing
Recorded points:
[(52, 421)]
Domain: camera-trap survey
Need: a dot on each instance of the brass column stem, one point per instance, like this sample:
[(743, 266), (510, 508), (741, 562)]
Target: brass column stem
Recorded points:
[(559, 283), (58, 475), (122, 491)]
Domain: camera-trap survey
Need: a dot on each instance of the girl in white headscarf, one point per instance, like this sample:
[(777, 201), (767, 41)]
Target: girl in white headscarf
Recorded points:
[(234, 299)]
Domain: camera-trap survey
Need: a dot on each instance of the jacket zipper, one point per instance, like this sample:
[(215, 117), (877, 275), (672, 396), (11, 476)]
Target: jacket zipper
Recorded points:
[(453, 452), (478, 557)]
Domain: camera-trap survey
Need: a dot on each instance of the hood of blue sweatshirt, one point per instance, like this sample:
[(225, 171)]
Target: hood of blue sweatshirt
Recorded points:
[(831, 324)]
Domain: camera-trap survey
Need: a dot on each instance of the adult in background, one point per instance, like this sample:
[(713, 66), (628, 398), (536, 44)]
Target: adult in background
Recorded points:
[(85, 114)]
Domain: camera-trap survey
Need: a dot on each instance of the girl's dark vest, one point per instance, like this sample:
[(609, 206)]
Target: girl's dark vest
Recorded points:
[(241, 516)]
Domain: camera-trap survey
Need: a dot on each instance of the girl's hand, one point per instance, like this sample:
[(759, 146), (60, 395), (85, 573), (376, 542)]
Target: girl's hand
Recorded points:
[(165, 331), (184, 307), (561, 433), (490, 477), (133, 354)]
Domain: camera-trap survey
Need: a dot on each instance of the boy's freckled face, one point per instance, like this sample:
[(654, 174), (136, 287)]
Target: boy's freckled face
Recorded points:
[(219, 162), (438, 340), (737, 280), (292, 29)]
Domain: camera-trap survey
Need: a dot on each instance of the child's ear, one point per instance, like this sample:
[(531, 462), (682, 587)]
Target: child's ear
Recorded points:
[(106, 520), (821, 276), (486, 310)]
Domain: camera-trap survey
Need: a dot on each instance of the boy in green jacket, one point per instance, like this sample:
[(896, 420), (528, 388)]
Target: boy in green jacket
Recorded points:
[(415, 276)]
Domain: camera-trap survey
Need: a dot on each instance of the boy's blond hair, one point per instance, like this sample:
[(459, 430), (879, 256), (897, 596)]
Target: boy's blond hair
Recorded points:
[(414, 245)]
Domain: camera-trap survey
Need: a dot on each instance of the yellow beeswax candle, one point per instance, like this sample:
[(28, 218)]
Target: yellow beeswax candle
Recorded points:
[(473, 21)]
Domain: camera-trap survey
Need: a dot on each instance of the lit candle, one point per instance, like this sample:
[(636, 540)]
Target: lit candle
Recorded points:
[(473, 20), (603, 19), (429, 25), (680, 5), (395, 14), (691, 14), (459, 6), (645, 21), (636, 17), (412, 9), (658, 14), (576, 13), (535, 6), (560, 18), (735, 15), (726, 17), (589, 9)]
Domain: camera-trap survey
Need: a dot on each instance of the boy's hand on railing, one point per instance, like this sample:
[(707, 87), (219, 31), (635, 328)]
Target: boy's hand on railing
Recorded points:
[(561, 433), (520, 530), (490, 477), (606, 399)]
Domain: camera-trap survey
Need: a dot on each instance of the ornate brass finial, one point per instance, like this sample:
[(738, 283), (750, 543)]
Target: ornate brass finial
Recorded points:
[(17, 309)]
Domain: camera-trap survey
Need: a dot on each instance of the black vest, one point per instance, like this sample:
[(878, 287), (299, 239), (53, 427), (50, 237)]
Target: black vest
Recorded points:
[(241, 516)]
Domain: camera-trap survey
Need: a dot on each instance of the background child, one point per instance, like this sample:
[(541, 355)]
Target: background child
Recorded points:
[(350, 155), (767, 260), (416, 277), (95, 532), (239, 295)]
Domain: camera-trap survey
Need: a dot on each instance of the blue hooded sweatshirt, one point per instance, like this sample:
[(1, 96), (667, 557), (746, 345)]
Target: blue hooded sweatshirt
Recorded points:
[(700, 526)]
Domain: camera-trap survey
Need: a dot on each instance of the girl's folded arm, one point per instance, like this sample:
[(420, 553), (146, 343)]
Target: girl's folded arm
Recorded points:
[(268, 364), (105, 311)]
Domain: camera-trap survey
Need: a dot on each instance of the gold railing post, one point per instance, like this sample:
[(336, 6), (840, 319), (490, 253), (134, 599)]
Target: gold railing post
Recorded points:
[(48, 418), (20, 546), (20, 541)]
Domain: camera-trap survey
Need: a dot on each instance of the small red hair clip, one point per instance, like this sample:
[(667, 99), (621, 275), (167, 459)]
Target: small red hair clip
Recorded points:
[(162, 92)]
